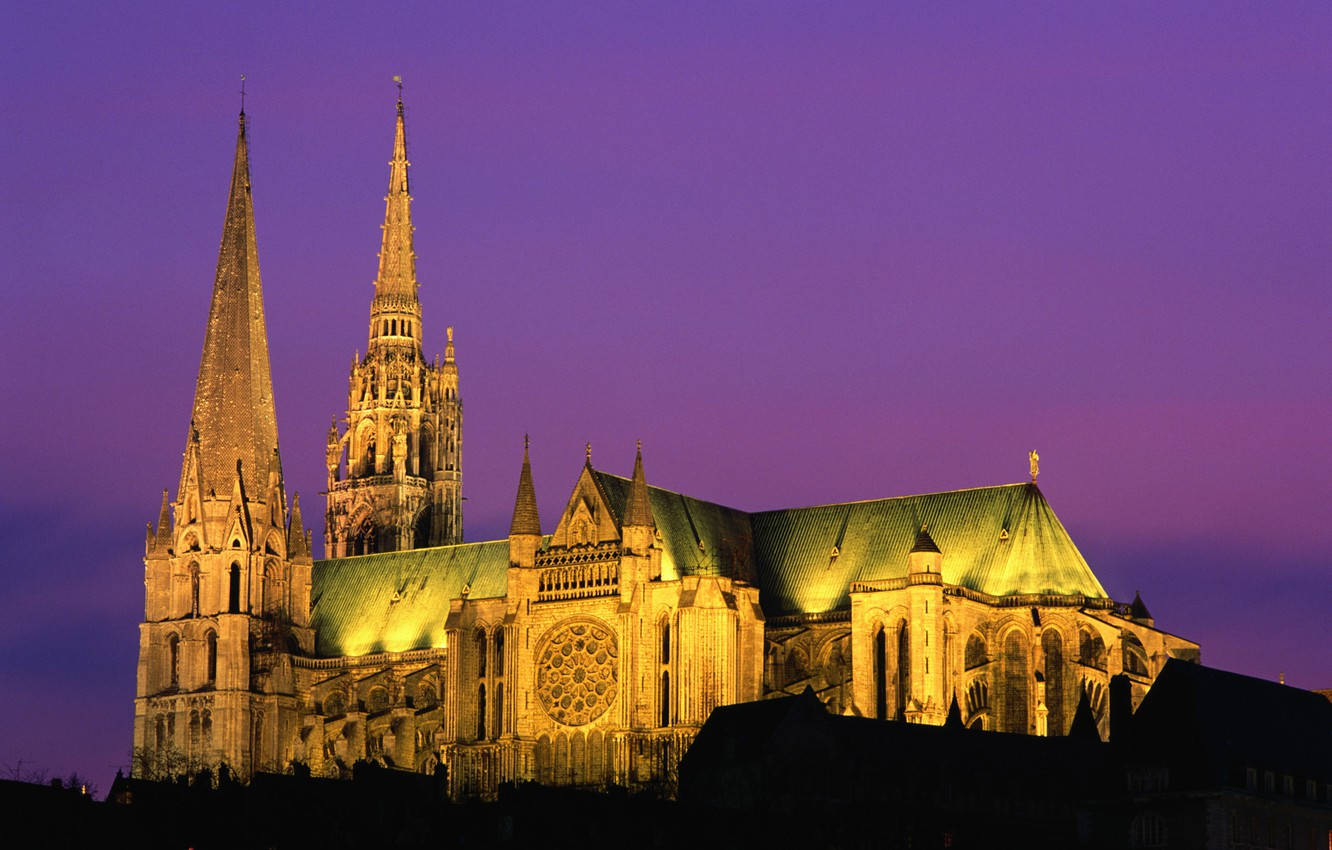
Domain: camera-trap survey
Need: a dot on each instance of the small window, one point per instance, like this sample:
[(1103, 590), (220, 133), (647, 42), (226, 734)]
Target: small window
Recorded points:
[(173, 659), (211, 642)]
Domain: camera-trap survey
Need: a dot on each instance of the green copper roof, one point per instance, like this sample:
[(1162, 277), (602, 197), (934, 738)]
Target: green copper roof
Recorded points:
[(998, 540), (697, 537), (397, 601)]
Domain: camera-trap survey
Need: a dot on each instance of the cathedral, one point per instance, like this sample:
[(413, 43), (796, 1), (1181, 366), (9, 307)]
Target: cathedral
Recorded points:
[(587, 652)]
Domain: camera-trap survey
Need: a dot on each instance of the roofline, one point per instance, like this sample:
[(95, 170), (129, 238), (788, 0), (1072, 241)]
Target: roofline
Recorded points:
[(897, 498), (826, 504)]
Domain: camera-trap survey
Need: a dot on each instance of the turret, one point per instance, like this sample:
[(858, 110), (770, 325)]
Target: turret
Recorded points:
[(525, 529)]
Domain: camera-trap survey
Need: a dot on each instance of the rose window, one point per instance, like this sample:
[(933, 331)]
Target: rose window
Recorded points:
[(577, 671)]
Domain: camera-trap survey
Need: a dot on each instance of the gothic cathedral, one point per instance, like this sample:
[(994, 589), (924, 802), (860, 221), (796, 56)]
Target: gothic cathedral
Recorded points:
[(587, 655)]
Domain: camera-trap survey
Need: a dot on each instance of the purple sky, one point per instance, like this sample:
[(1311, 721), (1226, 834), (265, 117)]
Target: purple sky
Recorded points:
[(807, 252)]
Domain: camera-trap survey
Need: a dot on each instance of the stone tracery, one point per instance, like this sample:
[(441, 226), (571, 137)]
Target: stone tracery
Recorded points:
[(577, 671)]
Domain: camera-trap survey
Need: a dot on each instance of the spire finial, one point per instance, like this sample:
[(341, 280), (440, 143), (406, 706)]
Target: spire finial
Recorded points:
[(397, 80), (526, 443), (242, 94), (589, 452), (1034, 461)]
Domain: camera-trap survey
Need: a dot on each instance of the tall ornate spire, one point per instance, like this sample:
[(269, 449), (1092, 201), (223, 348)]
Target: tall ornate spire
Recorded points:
[(525, 519), (397, 260), (638, 507), (233, 399)]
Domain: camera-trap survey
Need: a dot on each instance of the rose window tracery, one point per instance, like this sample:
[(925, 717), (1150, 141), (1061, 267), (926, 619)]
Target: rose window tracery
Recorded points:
[(577, 671)]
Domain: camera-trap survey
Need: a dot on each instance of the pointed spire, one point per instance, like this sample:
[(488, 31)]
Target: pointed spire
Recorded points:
[(638, 506), (924, 542), (397, 261), (448, 346), (234, 416), (525, 518), (162, 541), (954, 718), (297, 542)]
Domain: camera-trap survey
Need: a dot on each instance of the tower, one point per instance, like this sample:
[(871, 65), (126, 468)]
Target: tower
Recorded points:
[(395, 468), (227, 583)]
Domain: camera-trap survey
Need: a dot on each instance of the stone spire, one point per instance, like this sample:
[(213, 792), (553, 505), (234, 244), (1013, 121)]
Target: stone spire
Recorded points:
[(162, 540), (525, 519), (638, 506), (397, 261), (298, 546), (233, 413)]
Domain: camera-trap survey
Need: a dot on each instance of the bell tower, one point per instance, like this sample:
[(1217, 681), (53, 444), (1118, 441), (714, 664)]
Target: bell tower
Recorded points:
[(394, 462), (227, 582)]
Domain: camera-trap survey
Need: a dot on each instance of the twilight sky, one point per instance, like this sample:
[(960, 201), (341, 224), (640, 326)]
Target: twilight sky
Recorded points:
[(808, 252)]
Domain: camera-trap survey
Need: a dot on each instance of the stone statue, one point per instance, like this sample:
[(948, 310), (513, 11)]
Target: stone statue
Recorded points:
[(1035, 461)]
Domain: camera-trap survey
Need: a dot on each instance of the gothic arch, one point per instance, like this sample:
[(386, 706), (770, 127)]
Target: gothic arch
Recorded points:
[(1015, 682), (1058, 716), (1135, 655)]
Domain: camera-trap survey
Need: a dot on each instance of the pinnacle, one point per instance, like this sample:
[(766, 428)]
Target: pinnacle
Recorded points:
[(297, 544), (397, 261), (525, 518), (638, 507), (162, 540)]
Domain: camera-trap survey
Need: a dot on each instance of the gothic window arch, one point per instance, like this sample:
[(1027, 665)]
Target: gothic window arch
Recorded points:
[(497, 728), (596, 763), (663, 669), (480, 640), (665, 698), (903, 688), (173, 660), (499, 651), (335, 703), (880, 656), (233, 588), (425, 455), (1015, 683), (1052, 647), (194, 589), (544, 765), (578, 758), (377, 699), (210, 644)]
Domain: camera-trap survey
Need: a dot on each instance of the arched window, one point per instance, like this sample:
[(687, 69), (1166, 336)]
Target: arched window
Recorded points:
[(544, 767), (596, 765), (880, 674), (665, 641), (665, 698), (210, 641), (578, 758), (976, 653), (480, 653), (194, 590), (1015, 684), (481, 712), (207, 729), (1053, 647), (196, 735), (499, 651), (173, 659), (233, 589), (903, 669), (498, 727)]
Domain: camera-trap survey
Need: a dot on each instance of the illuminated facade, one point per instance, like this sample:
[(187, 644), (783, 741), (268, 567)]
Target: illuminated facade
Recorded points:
[(588, 655)]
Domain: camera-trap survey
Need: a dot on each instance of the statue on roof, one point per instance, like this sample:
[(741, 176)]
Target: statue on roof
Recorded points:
[(1034, 460)]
